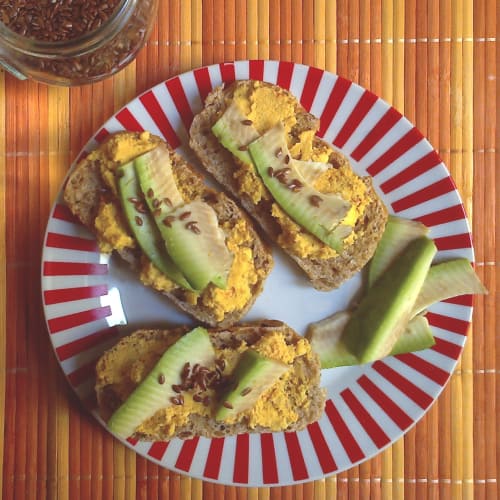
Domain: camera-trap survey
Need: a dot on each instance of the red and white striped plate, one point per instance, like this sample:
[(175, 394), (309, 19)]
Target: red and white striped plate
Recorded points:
[(91, 300)]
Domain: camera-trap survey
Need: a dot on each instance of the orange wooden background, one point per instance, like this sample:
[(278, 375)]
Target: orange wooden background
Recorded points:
[(435, 61)]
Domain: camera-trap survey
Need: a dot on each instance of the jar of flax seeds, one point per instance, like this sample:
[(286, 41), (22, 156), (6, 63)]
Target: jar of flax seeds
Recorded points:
[(72, 42)]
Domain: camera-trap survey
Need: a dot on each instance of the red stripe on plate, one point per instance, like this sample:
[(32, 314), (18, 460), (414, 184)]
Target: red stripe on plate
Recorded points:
[(448, 323), (186, 455), (256, 69), (227, 72), (431, 371), (325, 458), (377, 435), (158, 449), (390, 118), (69, 294), (269, 467), (311, 85), (299, 470), (416, 394), (132, 441), (54, 268), (350, 445), (62, 212), (101, 135), (241, 457), (449, 214), (128, 120), (446, 348), (174, 86), (58, 240), (285, 72), (460, 300), (82, 374), (425, 194), (366, 102), (77, 346), (333, 103), (395, 151), (453, 242), (203, 82), (212, 466), (76, 319), (156, 112), (393, 411), (421, 166)]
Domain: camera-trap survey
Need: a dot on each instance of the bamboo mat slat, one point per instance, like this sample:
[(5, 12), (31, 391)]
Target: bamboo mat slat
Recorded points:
[(435, 61)]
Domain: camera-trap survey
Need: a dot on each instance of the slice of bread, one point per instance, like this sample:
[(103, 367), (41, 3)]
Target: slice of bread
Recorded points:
[(137, 353), (86, 188), (324, 273)]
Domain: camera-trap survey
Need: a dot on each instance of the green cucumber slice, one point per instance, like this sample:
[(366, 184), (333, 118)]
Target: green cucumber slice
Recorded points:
[(253, 374), (234, 131), (157, 181), (384, 311), (143, 226), (416, 336), (151, 394), (397, 235), (446, 280), (197, 244)]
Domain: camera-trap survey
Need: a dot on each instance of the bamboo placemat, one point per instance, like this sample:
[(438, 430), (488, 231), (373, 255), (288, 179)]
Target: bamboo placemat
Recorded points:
[(434, 61)]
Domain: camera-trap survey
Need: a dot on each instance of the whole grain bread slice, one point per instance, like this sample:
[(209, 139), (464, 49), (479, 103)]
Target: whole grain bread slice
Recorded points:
[(85, 188), (324, 274), (112, 386)]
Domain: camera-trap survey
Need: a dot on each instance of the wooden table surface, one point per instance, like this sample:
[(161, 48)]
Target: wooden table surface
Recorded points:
[(436, 62)]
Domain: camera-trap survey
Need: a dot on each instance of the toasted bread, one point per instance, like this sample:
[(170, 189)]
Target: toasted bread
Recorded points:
[(323, 273), (115, 368), (86, 188)]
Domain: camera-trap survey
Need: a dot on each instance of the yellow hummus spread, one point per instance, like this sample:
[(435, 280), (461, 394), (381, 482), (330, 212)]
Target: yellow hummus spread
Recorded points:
[(266, 107)]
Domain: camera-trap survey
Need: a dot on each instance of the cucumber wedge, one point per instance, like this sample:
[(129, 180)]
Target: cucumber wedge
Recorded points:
[(446, 280), (397, 235), (384, 311), (235, 132), (416, 336), (325, 339), (253, 374), (155, 391), (197, 244), (157, 181), (143, 226)]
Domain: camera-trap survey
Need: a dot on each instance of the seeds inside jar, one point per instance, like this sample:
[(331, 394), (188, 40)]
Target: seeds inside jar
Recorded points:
[(55, 21)]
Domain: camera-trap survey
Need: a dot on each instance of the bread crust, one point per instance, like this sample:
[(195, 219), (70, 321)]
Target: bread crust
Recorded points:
[(85, 187), (137, 345), (324, 274)]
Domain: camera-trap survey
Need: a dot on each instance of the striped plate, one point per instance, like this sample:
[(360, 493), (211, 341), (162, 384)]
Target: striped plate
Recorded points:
[(90, 300)]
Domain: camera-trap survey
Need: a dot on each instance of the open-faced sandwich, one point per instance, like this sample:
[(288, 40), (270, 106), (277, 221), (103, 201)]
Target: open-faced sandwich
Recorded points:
[(257, 140), (257, 377), (194, 244)]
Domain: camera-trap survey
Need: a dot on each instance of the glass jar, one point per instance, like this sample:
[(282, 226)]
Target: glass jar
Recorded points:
[(89, 57)]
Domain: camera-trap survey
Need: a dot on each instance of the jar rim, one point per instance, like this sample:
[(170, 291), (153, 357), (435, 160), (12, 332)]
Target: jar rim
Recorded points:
[(86, 42)]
